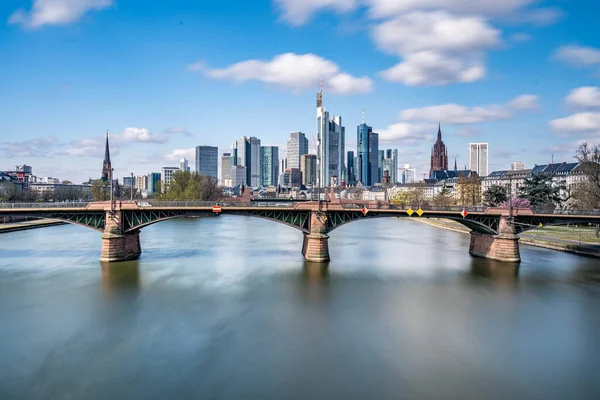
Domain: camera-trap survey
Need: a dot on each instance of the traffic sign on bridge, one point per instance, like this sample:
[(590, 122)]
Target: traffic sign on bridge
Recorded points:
[(217, 209)]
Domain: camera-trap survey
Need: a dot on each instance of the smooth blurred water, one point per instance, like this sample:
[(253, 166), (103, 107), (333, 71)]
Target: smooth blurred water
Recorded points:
[(227, 308)]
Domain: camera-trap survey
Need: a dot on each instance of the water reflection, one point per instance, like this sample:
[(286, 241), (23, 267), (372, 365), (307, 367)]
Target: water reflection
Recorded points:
[(503, 273), (120, 276)]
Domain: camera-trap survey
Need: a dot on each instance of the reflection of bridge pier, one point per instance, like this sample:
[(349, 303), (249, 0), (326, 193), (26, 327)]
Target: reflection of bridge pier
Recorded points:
[(492, 235)]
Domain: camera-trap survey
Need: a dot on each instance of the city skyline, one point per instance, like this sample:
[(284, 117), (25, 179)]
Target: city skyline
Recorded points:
[(151, 109)]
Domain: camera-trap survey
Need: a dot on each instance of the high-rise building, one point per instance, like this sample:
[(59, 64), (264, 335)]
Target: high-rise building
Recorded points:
[(207, 161), (308, 169), (141, 182), (153, 179), (166, 174), (248, 155), (517, 166), (478, 158), (363, 164), (106, 165), (373, 159), (226, 169), (238, 175), (439, 154), (184, 165), (128, 181), (350, 175), (331, 142), (295, 177), (297, 145), (390, 164), (282, 165), (408, 174), (269, 164)]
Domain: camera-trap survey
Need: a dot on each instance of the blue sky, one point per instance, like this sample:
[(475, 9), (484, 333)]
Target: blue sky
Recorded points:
[(164, 77)]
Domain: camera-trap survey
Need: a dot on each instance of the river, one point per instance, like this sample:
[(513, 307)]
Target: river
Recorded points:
[(227, 308)]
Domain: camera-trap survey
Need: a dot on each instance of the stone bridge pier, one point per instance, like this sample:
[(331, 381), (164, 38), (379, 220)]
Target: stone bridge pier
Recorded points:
[(116, 244), (502, 247), (315, 246)]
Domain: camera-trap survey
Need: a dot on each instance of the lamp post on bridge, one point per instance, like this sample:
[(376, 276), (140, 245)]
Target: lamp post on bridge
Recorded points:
[(131, 188), (112, 204)]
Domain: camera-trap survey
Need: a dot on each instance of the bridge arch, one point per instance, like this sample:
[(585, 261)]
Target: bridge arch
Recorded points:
[(90, 220), (484, 225)]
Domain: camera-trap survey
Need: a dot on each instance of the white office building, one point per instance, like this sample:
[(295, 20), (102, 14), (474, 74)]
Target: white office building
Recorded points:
[(166, 173), (478, 158), (408, 174), (184, 165), (517, 166)]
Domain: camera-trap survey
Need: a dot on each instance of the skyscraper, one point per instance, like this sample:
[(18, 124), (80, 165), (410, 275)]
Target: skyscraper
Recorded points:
[(390, 164), (439, 154), (478, 158), (226, 169), (362, 173), (308, 168), (153, 179), (207, 161), (408, 174), (269, 156), (330, 146), (350, 176), (297, 145), (106, 165), (248, 155), (184, 165), (373, 159)]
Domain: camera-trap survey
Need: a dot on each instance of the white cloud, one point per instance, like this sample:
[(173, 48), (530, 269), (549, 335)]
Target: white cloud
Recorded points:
[(525, 102), (41, 147), (89, 147), (456, 114), (178, 154), (300, 12), (488, 8), (406, 133), (139, 135), (437, 47), (434, 69), (584, 97), (580, 123), (579, 56), (291, 71), (56, 12)]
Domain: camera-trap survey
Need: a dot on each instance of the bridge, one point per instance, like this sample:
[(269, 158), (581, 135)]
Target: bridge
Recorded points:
[(494, 231)]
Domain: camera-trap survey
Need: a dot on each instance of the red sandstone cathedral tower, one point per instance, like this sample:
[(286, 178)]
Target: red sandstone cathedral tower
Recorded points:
[(439, 154)]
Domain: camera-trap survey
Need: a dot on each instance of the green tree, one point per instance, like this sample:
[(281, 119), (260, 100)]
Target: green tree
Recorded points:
[(495, 196), (443, 198), (541, 192), (587, 193), (401, 197), (100, 190), (66, 193), (187, 185)]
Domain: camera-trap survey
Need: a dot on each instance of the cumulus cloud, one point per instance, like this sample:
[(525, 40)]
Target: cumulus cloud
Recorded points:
[(406, 134), (525, 102), (56, 12), (41, 147), (436, 47), (578, 56), (178, 154), (584, 97), (456, 114), (290, 71), (488, 8), (142, 135), (580, 123), (300, 12)]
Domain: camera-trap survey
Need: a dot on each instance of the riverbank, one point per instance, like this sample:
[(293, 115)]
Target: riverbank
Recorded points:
[(21, 226), (554, 238)]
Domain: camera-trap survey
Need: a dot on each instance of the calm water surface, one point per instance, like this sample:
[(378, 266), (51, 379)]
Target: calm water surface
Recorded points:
[(227, 308)]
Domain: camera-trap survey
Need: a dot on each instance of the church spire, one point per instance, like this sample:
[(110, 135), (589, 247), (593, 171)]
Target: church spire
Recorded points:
[(106, 165), (107, 151), (439, 131)]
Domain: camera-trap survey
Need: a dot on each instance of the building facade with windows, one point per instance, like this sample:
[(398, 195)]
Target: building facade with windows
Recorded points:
[(269, 165), (207, 161), (478, 158)]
